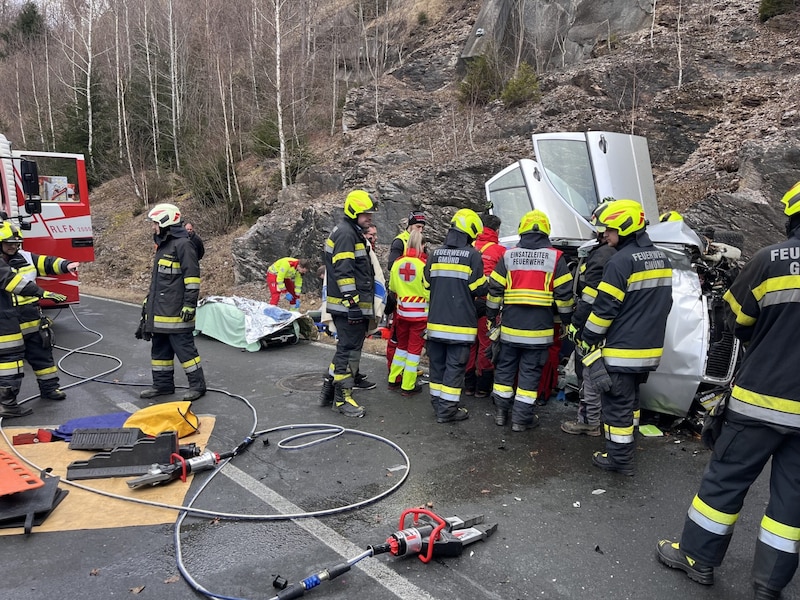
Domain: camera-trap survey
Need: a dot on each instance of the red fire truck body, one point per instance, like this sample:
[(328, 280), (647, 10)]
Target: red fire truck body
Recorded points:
[(63, 228)]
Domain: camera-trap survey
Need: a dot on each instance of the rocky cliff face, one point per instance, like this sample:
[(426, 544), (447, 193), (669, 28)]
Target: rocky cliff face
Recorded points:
[(712, 89)]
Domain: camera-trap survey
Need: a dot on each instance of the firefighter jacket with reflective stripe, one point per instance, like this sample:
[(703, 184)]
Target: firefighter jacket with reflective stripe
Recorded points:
[(455, 275), (349, 268), (407, 281), (764, 305), (286, 268), (398, 247), (532, 279), (630, 311), (175, 282), (591, 273), (29, 266), (11, 284)]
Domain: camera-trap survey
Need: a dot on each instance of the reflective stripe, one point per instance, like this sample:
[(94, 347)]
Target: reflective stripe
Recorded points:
[(477, 283), (343, 256), (503, 391), (13, 340), (191, 365), (451, 332), (526, 396), (451, 270), (46, 373), (450, 394), (435, 389), (642, 357), (14, 367), (770, 409), (648, 284), (779, 536), (542, 337), (620, 435), (710, 519), (612, 291)]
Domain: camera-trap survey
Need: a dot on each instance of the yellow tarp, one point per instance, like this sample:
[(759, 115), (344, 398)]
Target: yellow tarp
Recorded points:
[(82, 509)]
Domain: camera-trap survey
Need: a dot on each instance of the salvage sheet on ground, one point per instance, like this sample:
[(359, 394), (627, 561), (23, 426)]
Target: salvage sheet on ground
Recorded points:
[(86, 510)]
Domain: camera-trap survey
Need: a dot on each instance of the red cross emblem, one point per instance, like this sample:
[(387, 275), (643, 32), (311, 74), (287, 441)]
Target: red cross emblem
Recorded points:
[(408, 272)]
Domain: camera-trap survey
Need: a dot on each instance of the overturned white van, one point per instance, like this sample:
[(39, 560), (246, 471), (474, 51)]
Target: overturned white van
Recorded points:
[(570, 175)]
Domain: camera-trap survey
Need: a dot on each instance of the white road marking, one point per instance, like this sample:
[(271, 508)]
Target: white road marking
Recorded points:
[(381, 574)]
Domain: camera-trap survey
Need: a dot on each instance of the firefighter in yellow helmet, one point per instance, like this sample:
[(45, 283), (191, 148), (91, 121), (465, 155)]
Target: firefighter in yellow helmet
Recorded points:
[(454, 273), (169, 310), (12, 350), (761, 423), (527, 285), (623, 338), (38, 348), (350, 291), (671, 215)]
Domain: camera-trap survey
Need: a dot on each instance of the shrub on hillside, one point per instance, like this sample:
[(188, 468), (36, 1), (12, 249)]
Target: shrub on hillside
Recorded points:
[(770, 8), (522, 88)]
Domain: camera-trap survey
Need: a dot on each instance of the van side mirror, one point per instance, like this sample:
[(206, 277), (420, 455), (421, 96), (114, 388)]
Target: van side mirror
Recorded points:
[(29, 173)]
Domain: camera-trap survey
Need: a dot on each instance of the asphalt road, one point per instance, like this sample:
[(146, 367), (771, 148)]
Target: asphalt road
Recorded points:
[(564, 528)]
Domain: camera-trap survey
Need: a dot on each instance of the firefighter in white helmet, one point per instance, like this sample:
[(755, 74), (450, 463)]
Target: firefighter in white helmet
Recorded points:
[(168, 313)]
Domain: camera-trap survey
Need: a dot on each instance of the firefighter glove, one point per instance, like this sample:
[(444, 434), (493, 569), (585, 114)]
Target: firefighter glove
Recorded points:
[(187, 314), (142, 333), (712, 424), (572, 333), (144, 307), (57, 298), (595, 370)]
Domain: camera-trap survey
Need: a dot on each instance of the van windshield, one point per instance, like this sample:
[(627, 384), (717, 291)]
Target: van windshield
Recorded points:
[(510, 200), (568, 169)]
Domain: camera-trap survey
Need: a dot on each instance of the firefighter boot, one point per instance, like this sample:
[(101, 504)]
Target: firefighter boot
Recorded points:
[(326, 394), (448, 412), (670, 554), (344, 403), (578, 427), (762, 592), (484, 386), (54, 394), (501, 408), (603, 461), (197, 385), (360, 382), (470, 382), (522, 417), (8, 404)]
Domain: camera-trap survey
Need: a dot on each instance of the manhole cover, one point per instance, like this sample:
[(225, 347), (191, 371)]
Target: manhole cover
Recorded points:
[(304, 382)]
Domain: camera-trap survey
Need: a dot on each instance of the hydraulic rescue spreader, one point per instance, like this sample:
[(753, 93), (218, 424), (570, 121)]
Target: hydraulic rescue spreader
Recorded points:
[(428, 535)]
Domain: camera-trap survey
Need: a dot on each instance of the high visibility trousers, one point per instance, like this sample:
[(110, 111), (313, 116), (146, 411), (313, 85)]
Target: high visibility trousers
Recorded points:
[(39, 355), (165, 347), (349, 342), (619, 405), (410, 343), (523, 365), (448, 363), (479, 361), (739, 456)]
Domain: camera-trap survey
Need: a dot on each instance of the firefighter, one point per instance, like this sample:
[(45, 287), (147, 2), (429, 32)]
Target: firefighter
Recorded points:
[(398, 247), (671, 215), (454, 273), (169, 310), (12, 349), (589, 418), (762, 422), (350, 290), (624, 332), (480, 370), (407, 281), (38, 348), (530, 280), (285, 276)]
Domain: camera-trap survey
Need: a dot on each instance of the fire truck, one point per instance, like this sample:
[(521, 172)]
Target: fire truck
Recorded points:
[(46, 193)]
